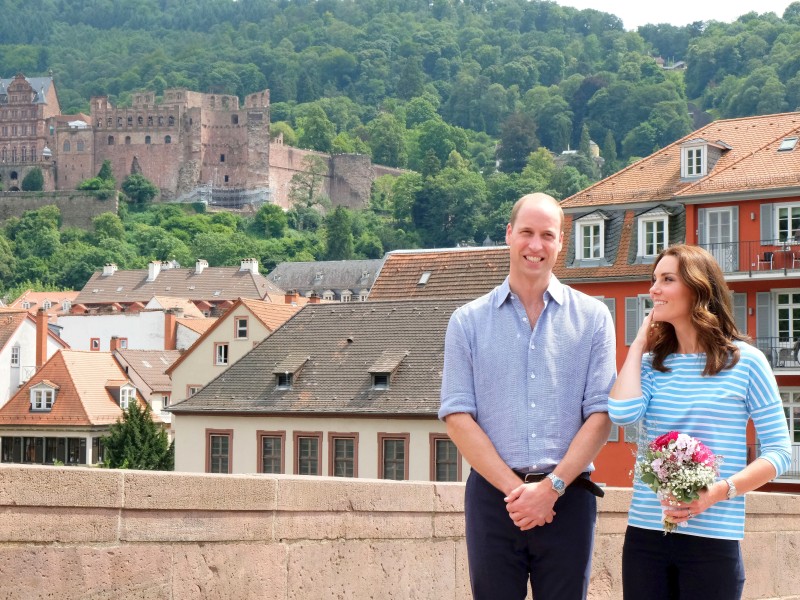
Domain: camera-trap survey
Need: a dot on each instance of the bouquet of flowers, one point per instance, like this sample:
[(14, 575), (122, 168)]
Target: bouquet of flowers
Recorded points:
[(677, 466)]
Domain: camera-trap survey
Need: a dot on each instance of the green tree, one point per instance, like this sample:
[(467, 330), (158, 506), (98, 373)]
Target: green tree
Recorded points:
[(136, 442), (306, 192), (339, 235), (33, 181), (270, 220), (517, 141), (139, 189), (316, 130), (106, 173), (108, 225), (387, 141)]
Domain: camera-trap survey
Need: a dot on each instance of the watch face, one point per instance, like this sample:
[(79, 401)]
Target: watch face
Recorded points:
[(558, 483)]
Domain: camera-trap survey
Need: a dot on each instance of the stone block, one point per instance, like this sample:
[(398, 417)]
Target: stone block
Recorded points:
[(448, 525), (449, 497), (60, 486), (68, 525), (352, 526), (199, 491), (195, 526), (227, 571)]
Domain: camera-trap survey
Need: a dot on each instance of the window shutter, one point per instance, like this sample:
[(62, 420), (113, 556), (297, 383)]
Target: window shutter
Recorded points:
[(767, 232), (735, 224), (701, 227), (631, 319), (740, 311), (763, 317), (611, 303)]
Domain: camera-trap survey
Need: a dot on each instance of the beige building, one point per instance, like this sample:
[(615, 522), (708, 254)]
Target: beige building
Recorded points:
[(342, 390), (232, 336)]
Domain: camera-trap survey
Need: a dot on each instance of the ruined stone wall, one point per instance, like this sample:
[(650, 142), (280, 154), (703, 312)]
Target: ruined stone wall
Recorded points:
[(74, 157), (11, 175), (284, 163), (71, 532), (352, 179), (77, 208)]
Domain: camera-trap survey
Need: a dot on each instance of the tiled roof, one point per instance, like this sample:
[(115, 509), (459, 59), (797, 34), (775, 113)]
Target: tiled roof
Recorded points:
[(336, 345), (10, 320), (454, 273), (168, 302), (151, 365), (82, 398), (37, 300), (752, 163), (335, 275), (213, 284), (197, 325), (271, 316)]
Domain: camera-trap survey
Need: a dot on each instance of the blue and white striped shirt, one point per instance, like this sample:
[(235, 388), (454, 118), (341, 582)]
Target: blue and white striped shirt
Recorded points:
[(714, 410), (529, 390)]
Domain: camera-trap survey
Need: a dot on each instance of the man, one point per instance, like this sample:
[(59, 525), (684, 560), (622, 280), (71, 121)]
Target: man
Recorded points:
[(527, 372)]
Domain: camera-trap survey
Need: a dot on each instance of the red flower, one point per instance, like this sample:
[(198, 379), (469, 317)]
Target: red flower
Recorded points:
[(703, 455), (663, 440)]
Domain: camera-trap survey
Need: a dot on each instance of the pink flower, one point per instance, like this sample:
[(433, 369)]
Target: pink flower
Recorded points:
[(703, 455), (663, 440)]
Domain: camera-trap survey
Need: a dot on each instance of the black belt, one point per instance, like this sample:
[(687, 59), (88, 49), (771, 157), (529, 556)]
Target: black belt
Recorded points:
[(581, 480)]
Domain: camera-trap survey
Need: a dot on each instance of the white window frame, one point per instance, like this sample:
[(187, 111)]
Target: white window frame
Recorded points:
[(239, 332), (780, 234), (327, 295), (590, 221), (66, 305), (789, 334), (790, 398), (15, 357), (347, 296), (221, 358), (653, 218), (127, 393), (47, 304), (42, 398), (690, 157), (284, 381)]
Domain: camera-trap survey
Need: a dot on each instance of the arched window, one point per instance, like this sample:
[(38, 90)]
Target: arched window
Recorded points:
[(140, 121), (110, 122), (14, 155), (171, 121), (111, 140), (130, 121), (66, 146), (33, 152), (160, 121), (167, 139), (149, 121), (234, 119), (147, 139), (119, 121), (81, 145), (24, 154), (127, 140)]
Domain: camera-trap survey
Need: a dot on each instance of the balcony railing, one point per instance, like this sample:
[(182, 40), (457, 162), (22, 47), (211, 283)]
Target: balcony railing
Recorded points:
[(792, 473), (762, 256), (781, 353)]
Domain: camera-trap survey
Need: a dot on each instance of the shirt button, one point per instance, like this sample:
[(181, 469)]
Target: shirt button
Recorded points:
[(533, 435), (525, 319), (533, 347), (533, 376), (533, 405)]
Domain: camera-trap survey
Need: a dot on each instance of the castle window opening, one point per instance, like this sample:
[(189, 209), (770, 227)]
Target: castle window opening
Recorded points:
[(127, 140), (167, 139), (140, 121), (171, 121), (147, 139), (130, 121), (226, 179), (149, 121), (66, 146), (119, 121), (80, 145), (160, 121), (110, 122), (24, 154), (111, 140), (234, 119), (221, 158)]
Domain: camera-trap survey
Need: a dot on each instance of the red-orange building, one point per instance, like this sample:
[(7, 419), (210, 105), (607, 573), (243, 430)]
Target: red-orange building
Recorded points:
[(732, 187)]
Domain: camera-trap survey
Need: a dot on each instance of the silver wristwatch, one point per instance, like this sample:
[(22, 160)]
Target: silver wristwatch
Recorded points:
[(732, 493), (558, 484)]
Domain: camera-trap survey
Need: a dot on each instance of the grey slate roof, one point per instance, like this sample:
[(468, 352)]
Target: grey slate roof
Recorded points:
[(150, 365), (214, 284), (334, 275), (342, 343), (40, 85)]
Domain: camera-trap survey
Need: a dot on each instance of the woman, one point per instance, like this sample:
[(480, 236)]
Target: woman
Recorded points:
[(689, 370)]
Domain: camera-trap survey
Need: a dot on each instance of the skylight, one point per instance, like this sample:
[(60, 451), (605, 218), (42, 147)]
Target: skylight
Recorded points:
[(787, 144), (424, 278)]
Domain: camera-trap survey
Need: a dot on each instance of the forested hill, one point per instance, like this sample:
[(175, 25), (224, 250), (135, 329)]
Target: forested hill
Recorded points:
[(472, 95)]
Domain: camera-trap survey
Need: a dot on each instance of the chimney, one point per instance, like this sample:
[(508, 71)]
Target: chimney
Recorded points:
[(41, 338), (114, 343), (249, 264), (170, 330), (199, 266), (313, 299), (109, 269), (153, 269), (291, 297)]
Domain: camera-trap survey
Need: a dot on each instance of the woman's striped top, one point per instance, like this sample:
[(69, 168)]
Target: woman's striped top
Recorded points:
[(715, 410)]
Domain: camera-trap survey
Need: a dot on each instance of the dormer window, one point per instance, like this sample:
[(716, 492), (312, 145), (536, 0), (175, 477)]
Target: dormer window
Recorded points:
[(382, 369), (26, 305), (380, 381), (127, 395), (284, 381), (589, 237), (286, 371), (43, 397), (327, 295), (693, 162), (66, 305), (47, 304), (653, 232), (347, 296)]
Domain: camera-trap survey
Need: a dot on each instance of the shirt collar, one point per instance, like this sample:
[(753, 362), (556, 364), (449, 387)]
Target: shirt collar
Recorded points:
[(555, 291)]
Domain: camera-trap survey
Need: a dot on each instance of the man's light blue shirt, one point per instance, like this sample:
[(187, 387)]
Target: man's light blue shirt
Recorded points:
[(529, 390)]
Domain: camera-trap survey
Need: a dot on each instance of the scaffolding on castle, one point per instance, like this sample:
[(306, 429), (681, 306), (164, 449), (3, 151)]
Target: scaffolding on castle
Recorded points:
[(227, 197)]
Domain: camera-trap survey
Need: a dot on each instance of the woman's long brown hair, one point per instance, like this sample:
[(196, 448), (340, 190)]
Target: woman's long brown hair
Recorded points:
[(711, 314)]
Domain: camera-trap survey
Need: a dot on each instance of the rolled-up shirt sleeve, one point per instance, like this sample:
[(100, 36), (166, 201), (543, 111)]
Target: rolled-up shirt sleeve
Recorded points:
[(602, 371), (630, 410), (458, 389)]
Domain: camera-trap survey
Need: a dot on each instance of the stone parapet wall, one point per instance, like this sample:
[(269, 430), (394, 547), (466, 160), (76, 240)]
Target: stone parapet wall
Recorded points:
[(93, 533), (77, 208)]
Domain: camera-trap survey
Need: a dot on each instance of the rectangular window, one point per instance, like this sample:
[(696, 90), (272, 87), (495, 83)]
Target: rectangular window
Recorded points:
[(655, 238), (270, 451), (694, 162), (192, 389), (240, 328), (220, 354), (393, 456), (42, 399), (788, 222), (15, 356), (76, 451), (591, 241), (380, 381), (343, 454), (123, 343), (307, 453), (126, 396), (219, 444), (94, 344), (445, 459), (284, 381), (788, 316)]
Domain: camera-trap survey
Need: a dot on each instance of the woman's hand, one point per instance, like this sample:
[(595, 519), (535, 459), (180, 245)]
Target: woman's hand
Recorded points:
[(645, 333), (680, 512)]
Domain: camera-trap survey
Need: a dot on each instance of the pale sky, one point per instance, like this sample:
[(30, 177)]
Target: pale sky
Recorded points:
[(678, 12)]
